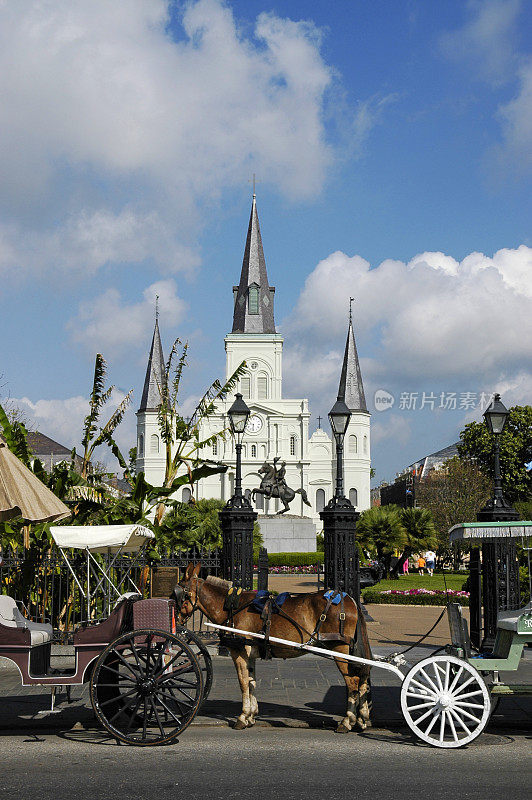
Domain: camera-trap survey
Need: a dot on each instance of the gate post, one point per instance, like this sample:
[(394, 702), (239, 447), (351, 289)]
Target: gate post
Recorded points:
[(341, 552), (237, 520), (262, 582)]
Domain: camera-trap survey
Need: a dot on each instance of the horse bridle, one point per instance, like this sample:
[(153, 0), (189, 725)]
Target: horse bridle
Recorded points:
[(182, 594)]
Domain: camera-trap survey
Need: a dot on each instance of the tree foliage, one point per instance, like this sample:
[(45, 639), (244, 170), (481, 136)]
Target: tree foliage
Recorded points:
[(477, 444), (454, 493), (380, 530)]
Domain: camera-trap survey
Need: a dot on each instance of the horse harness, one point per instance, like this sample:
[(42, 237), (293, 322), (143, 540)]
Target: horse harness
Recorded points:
[(233, 607)]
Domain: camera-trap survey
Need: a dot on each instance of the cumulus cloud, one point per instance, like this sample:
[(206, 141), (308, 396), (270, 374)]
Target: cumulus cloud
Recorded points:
[(104, 102), (430, 319), (62, 420), (110, 325)]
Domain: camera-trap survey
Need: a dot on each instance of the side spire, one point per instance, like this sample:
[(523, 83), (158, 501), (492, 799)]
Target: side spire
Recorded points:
[(253, 312), (351, 388), (151, 395)]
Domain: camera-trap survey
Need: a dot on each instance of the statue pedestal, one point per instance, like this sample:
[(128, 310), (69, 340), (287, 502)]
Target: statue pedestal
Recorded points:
[(287, 533)]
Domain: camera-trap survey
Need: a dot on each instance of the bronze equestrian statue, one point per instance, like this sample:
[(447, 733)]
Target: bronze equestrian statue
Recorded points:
[(273, 484)]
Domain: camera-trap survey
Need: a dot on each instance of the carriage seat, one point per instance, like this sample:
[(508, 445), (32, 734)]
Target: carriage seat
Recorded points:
[(508, 620), (10, 617)]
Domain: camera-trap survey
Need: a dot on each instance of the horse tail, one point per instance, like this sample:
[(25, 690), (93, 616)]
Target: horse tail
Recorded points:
[(303, 494)]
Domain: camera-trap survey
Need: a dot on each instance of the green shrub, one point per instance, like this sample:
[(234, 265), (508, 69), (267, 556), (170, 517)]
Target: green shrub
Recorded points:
[(295, 559)]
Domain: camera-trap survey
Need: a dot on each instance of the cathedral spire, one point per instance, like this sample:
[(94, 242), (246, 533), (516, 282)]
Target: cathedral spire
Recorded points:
[(151, 395), (351, 388), (253, 312)]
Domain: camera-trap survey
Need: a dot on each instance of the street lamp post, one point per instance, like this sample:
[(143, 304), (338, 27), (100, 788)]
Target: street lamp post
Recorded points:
[(339, 518), (237, 517), (495, 576)]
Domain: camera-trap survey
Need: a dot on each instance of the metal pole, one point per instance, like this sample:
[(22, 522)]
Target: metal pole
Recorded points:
[(497, 490), (238, 474), (339, 467)]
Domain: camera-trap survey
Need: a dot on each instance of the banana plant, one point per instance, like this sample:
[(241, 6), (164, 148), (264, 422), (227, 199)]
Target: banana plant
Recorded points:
[(93, 434), (182, 437)]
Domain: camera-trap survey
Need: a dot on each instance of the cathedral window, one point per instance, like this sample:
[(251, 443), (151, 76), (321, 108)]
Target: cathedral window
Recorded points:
[(215, 448), (262, 387), (259, 502), (253, 304), (353, 497), (253, 451), (292, 445), (245, 387), (353, 444), (141, 445), (365, 444), (187, 494), (320, 500), (154, 443)]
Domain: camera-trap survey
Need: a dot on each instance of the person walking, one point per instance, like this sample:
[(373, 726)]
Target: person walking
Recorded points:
[(420, 564), (430, 559)]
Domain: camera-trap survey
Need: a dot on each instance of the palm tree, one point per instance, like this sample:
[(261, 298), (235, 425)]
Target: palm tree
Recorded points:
[(380, 530), (420, 532)]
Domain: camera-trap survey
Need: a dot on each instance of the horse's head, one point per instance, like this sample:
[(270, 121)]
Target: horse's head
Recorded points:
[(185, 593)]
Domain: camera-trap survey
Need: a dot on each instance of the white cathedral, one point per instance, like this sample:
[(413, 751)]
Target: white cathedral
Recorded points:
[(277, 426)]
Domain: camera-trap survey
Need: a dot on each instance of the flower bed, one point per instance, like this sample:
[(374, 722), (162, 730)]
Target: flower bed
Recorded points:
[(308, 569), (415, 597)]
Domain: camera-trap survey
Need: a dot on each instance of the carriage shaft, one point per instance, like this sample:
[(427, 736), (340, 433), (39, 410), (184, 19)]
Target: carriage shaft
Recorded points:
[(320, 651)]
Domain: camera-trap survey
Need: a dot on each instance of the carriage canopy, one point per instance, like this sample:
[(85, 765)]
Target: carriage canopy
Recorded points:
[(102, 538)]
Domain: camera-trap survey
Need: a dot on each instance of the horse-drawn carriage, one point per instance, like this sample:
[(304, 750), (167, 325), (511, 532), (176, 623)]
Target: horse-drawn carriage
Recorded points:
[(148, 675)]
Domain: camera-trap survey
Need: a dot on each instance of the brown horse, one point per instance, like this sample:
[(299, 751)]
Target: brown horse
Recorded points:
[(303, 611)]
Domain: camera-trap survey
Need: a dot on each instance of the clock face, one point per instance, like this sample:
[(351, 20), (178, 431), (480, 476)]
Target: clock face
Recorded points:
[(254, 424)]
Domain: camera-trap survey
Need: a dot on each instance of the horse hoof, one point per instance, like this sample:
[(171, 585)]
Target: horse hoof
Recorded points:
[(342, 728), (239, 725), (362, 725)]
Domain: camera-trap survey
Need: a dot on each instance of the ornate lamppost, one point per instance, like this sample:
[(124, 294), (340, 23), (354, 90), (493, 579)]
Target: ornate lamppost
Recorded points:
[(339, 517), (495, 577), (237, 517)]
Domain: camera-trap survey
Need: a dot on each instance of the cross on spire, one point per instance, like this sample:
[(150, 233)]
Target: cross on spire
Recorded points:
[(156, 307), (319, 422), (253, 182), (351, 301)]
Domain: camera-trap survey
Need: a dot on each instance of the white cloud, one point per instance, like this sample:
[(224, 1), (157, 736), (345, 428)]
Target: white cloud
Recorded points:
[(110, 325), (104, 102), (430, 319), (62, 420), (486, 40), (391, 427)]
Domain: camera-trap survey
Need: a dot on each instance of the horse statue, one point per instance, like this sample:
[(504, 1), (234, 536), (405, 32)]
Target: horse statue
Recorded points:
[(273, 484), (303, 618)]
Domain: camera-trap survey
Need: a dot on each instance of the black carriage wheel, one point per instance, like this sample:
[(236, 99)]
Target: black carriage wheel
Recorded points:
[(201, 653), (146, 687)]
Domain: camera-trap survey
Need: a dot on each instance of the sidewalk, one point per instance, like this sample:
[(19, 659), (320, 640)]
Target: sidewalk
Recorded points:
[(301, 692)]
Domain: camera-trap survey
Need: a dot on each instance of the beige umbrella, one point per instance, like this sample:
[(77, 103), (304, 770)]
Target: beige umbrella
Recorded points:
[(23, 494)]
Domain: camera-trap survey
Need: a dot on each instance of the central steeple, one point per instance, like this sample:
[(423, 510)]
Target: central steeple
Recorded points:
[(253, 297), (351, 388)]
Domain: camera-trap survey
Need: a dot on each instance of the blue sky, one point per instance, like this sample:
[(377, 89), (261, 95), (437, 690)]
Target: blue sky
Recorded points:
[(392, 144)]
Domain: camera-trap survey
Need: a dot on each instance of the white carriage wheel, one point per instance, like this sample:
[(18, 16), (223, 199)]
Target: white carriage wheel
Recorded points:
[(445, 701)]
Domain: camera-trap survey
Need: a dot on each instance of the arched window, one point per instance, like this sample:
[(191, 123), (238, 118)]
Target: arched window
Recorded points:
[(215, 448), (245, 387), (253, 451), (154, 443), (365, 444), (187, 494), (320, 500), (262, 387), (353, 444), (353, 497), (292, 445), (259, 502), (141, 445), (253, 303)]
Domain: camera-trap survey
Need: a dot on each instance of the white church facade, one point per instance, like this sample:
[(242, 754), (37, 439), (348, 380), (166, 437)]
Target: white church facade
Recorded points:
[(277, 426)]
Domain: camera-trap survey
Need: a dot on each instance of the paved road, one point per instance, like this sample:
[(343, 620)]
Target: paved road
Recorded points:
[(265, 763)]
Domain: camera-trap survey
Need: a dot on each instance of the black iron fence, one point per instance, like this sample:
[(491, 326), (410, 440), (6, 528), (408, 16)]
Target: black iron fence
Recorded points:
[(49, 590)]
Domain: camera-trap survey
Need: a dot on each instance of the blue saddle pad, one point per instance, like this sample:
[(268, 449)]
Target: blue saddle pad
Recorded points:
[(336, 596), (260, 600)]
